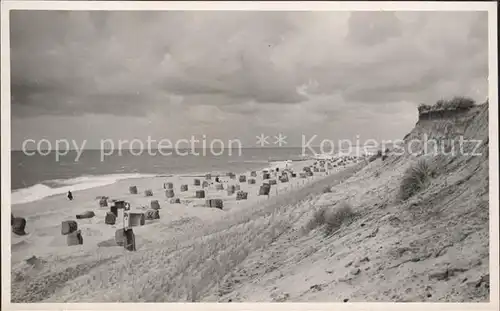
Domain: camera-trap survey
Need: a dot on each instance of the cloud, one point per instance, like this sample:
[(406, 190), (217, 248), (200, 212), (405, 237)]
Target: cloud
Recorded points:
[(266, 69), (367, 28)]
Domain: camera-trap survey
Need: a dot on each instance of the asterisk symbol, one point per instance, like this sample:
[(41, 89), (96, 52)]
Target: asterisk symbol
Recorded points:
[(262, 140), (280, 139)]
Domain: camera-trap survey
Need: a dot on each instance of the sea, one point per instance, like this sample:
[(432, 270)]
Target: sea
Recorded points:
[(34, 177), (37, 176)]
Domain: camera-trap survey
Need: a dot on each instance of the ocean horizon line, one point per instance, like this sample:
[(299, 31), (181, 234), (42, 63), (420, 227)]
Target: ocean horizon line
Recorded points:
[(181, 149)]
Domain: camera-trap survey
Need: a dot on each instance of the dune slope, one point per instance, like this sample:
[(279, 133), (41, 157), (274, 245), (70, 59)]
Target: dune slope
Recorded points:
[(432, 246)]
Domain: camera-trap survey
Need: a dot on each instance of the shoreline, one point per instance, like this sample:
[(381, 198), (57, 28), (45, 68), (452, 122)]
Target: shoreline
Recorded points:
[(45, 216), (180, 228), (197, 174)]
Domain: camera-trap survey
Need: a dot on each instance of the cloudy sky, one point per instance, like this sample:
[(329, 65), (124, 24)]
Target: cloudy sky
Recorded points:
[(124, 75)]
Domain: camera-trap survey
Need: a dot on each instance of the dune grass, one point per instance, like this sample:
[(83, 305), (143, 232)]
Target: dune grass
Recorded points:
[(415, 179), (191, 266), (375, 156), (457, 102), (330, 217)]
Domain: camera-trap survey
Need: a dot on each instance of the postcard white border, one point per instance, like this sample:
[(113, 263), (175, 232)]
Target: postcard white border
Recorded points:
[(6, 6)]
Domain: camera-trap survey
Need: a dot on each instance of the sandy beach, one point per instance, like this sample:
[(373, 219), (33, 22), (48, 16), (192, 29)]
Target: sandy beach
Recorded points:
[(180, 224), (276, 248), (44, 217)]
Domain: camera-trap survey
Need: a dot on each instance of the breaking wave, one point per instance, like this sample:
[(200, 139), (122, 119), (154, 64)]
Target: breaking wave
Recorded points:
[(59, 186)]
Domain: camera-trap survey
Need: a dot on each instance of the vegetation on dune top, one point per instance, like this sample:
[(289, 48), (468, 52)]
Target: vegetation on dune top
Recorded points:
[(456, 103)]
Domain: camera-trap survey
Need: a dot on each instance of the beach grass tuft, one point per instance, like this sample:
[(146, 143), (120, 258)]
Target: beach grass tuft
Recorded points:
[(331, 217), (415, 179)]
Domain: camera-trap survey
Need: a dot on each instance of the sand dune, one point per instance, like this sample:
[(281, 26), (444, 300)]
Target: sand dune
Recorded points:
[(432, 246), (178, 224)]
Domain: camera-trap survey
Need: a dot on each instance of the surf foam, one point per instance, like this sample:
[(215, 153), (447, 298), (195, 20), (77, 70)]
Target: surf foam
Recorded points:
[(60, 186)]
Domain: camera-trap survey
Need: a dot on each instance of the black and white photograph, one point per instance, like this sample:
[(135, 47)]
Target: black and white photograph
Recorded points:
[(337, 153)]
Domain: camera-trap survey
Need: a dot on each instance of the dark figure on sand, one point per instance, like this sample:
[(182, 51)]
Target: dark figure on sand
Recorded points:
[(217, 179), (70, 196)]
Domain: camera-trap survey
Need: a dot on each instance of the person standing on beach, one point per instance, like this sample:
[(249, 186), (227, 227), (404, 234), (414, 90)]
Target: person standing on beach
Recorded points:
[(70, 196)]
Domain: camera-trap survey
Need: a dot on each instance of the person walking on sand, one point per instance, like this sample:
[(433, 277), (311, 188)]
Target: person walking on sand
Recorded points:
[(70, 196)]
